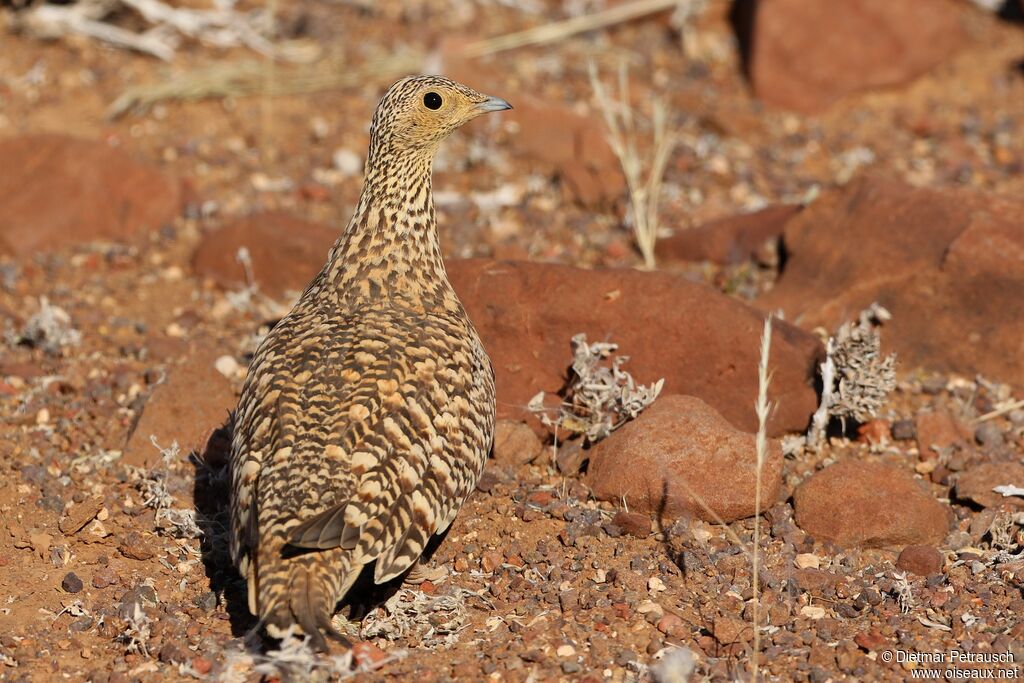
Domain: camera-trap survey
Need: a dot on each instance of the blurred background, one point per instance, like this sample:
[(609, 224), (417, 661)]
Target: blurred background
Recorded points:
[(265, 106)]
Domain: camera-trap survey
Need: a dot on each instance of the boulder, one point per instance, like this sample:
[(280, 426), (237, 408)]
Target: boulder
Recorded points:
[(949, 266), (192, 402), (57, 191), (728, 240), (286, 252), (700, 341), (976, 484), (871, 505), (681, 457), (806, 54)]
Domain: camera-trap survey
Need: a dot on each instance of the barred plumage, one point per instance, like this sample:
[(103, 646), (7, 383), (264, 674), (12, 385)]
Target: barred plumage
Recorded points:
[(368, 411)]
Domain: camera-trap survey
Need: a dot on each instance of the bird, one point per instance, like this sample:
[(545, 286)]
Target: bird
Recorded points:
[(368, 411)]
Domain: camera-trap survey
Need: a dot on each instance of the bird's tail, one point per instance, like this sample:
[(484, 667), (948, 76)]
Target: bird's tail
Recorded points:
[(303, 592)]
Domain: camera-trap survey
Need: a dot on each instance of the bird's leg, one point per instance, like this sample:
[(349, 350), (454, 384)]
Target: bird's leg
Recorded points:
[(421, 572)]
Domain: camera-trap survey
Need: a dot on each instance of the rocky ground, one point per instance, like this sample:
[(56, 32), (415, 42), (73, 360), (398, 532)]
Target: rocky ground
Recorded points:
[(143, 256)]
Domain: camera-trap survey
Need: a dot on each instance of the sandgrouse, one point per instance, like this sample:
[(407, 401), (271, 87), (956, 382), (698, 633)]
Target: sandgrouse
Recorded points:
[(368, 411)]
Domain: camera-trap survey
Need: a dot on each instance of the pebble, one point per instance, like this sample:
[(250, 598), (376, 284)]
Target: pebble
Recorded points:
[(989, 435), (71, 583), (633, 523), (812, 612), (104, 577), (807, 561), (904, 430), (491, 560)]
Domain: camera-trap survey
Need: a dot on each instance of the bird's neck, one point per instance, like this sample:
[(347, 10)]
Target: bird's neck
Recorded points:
[(390, 248)]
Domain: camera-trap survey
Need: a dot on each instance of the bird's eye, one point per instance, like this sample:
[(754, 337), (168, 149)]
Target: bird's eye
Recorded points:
[(432, 100)]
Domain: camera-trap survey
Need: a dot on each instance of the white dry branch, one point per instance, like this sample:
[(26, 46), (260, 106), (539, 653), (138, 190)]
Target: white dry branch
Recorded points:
[(644, 172), (436, 621), (601, 396), (152, 485), (222, 26)]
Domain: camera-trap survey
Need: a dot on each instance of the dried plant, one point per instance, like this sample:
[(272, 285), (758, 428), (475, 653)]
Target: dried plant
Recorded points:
[(152, 484), (644, 172), (856, 378), (903, 592), (50, 329), (600, 396), (136, 634), (433, 620)]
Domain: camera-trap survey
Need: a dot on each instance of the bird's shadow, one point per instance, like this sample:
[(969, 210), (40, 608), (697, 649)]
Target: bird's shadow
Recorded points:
[(211, 493)]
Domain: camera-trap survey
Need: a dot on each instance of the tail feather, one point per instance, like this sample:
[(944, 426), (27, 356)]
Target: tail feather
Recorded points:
[(305, 595)]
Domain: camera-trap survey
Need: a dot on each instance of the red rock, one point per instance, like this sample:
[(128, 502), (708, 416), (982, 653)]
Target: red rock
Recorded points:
[(192, 402), (633, 523), (286, 252), (805, 54), (867, 504), (920, 559), (937, 430), (728, 240), (672, 625), (680, 457), (57, 190), (527, 313), (976, 484), (949, 266), (515, 443), (367, 655)]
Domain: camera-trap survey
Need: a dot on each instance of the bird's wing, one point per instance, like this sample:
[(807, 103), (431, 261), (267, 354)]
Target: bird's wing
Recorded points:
[(420, 454)]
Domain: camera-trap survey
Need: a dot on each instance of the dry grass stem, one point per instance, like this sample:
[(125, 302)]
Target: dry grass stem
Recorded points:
[(763, 408), (644, 172)]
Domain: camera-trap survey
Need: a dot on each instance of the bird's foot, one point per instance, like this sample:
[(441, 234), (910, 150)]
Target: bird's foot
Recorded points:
[(420, 572)]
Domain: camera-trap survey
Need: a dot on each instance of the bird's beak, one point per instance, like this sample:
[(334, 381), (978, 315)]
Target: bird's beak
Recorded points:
[(493, 104)]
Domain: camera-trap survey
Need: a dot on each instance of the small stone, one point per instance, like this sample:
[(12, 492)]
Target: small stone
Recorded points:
[(656, 585), (812, 612), (515, 444), (491, 560), (920, 559), (367, 655), (671, 625), (227, 366), (565, 651), (104, 577), (202, 665), (807, 561), (633, 523), (71, 583), (903, 430), (570, 667), (134, 546), (79, 515), (989, 435), (206, 601)]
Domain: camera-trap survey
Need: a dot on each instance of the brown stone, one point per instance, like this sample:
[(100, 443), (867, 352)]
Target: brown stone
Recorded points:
[(729, 240), (680, 457), (79, 515), (920, 559), (515, 443), (286, 252), (937, 430), (806, 54), (700, 341), (57, 191), (186, 408), (868, 504), (976, 484), (633, 523), (949, 266)]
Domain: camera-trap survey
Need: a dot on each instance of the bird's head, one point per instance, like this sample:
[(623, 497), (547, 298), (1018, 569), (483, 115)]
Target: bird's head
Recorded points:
[(418, 112)]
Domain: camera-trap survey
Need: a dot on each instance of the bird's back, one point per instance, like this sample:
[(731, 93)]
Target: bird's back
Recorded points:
[(366, 428)]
